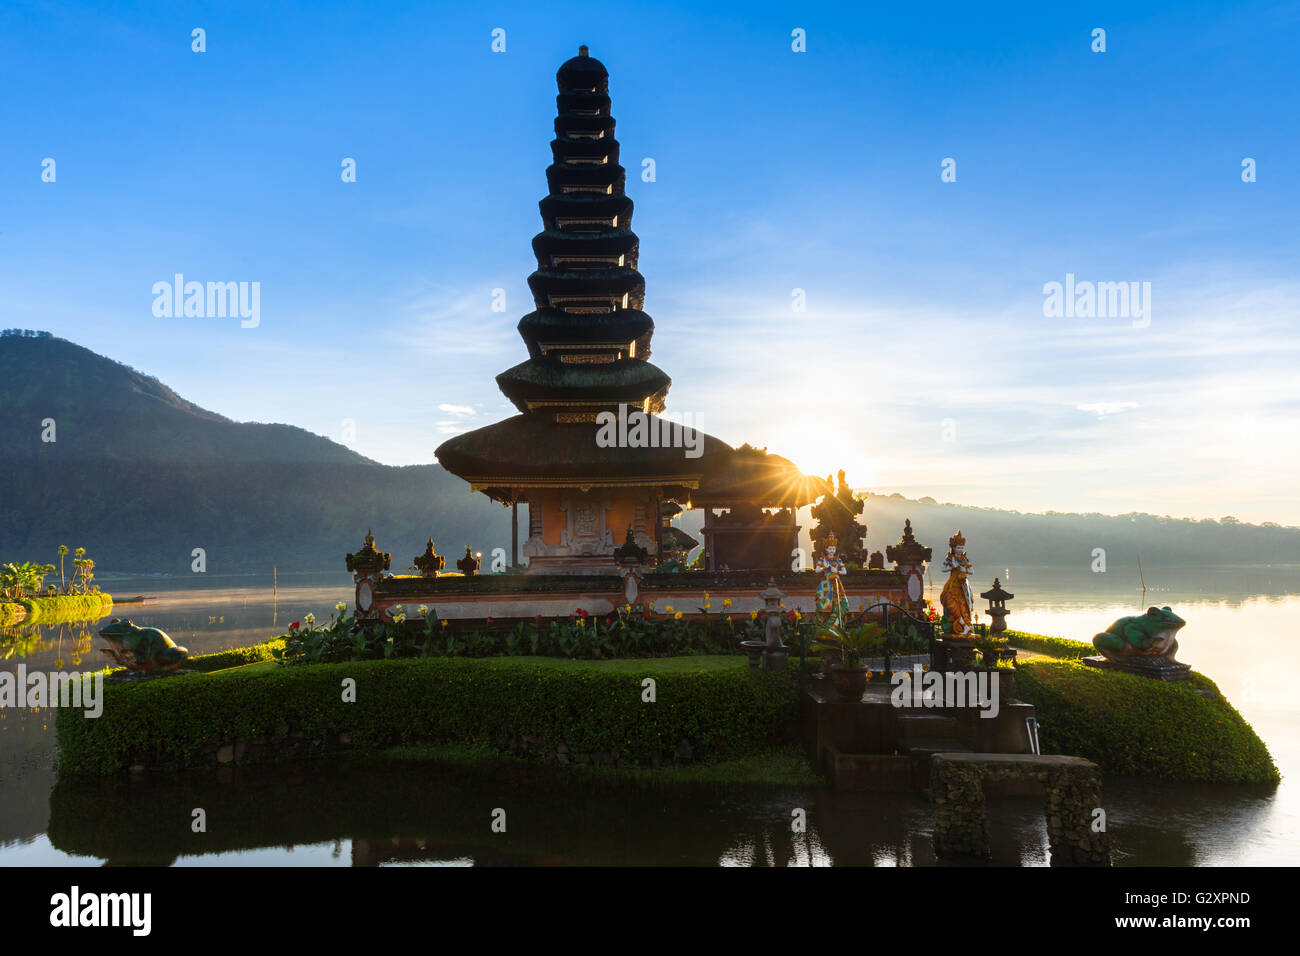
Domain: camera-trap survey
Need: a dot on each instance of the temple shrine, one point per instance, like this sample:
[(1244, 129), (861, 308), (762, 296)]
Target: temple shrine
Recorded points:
[(592, 502)]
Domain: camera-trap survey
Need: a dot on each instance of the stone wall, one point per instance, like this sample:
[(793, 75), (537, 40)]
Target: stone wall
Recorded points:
[(1071, 787)]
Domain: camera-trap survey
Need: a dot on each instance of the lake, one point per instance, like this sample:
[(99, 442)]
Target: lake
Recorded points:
[(1239, 621)]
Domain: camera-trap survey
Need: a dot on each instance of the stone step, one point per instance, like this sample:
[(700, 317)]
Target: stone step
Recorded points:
[(924, 746), (926, 725)]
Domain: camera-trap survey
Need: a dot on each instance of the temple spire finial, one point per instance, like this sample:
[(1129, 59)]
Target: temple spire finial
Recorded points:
[(582, 50)]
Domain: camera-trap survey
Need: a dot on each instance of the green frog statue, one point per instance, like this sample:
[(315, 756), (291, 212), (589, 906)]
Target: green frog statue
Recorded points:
[(142, 648), (1142, 644)]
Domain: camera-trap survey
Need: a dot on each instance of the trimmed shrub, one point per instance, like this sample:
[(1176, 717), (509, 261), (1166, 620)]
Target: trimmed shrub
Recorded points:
[(1061, 647), (1127, 724), (714, 705), (235, 657)]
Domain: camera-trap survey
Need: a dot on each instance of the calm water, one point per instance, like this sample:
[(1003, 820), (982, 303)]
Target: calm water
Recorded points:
[(1240, 624)]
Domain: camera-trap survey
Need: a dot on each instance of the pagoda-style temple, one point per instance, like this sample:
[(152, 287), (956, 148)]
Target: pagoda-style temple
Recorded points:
[(598, 510), (588, 345)]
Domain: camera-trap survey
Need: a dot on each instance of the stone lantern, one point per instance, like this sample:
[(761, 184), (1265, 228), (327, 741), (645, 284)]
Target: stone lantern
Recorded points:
[(776, 653), (997, 599)]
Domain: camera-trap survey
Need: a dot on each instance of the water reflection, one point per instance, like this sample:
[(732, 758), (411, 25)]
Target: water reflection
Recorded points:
[(379, 814), (432, 814)]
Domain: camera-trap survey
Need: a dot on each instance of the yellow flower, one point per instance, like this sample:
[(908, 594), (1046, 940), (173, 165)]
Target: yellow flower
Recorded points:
[(798, 616), (677, 616), (753, 615), (706, 595), (707, 605), (726, 602), (444, 623), (669, 609)]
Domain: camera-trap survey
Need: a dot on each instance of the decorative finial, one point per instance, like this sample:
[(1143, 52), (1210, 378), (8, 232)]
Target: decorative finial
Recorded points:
[(582, 50)]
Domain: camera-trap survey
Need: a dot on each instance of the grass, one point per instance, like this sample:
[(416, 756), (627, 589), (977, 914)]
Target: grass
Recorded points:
[(255, 668), (1059, 647)]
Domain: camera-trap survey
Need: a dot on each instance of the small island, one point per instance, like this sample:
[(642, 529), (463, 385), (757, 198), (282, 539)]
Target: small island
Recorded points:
[(26, 598)]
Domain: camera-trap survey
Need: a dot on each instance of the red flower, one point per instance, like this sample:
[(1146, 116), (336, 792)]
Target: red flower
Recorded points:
[(294, 625), (489, 620)]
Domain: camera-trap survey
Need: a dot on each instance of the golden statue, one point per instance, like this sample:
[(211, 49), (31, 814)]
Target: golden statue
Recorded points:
[(955, 596)]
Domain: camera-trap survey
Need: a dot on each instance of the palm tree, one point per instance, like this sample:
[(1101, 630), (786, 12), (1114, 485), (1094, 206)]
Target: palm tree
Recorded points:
[(63, 549), (77, 562)]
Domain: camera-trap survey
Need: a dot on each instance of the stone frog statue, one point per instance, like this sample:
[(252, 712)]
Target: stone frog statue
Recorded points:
[(142, 648), (1153, 634)]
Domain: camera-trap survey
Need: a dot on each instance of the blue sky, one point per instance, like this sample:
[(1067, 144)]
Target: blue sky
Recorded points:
[(923, 363)]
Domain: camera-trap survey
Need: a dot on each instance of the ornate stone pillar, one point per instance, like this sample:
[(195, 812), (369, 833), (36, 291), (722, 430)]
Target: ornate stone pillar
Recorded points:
[(909, 557), (367, 565)]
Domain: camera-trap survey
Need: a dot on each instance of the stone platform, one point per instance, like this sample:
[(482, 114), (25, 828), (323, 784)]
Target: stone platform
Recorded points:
[(503, 597), (873, 745)]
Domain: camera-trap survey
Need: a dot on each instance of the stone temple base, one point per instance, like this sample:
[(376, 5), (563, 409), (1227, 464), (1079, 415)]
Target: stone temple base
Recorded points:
[(1159, 668)]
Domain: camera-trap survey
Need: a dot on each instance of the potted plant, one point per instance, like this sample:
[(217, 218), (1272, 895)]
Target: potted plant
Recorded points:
[(849, 675)]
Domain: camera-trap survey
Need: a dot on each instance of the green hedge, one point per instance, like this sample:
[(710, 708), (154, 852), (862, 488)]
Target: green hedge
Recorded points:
[(1051, 646), (1174, 730), (715, 704)]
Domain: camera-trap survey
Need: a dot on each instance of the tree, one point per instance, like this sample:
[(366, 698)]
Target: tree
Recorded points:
[(63, 584)]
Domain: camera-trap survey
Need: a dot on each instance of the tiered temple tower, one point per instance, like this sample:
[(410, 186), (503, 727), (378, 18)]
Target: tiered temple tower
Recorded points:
[(588, 340), (588, 349), (588, 352)]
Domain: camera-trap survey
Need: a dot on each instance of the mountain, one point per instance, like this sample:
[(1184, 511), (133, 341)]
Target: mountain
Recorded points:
[(1011, 538), (140, 478)]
